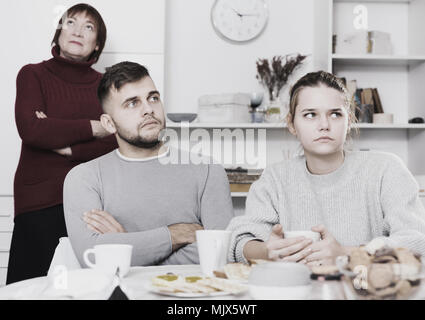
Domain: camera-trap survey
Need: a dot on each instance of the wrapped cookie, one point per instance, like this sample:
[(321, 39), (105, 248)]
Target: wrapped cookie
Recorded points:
[(359, 256), (380, 276)]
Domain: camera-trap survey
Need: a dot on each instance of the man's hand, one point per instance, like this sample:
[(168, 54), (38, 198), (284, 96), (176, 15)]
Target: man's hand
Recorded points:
[(183, 234), (102, 222), (281, 249), (98, 130), (325, 251)]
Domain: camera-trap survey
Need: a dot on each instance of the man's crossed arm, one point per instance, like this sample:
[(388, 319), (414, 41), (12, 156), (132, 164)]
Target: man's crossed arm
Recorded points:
[(103, 222)]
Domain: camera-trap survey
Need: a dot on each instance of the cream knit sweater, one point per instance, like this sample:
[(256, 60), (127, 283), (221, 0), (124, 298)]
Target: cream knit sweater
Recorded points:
[(372, 194)]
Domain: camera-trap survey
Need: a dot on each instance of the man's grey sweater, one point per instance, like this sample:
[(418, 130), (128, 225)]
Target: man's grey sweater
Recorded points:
[(371, 195), (145, 197)]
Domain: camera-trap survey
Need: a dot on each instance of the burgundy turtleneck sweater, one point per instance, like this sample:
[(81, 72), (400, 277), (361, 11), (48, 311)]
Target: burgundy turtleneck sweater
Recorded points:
[(66, 91)]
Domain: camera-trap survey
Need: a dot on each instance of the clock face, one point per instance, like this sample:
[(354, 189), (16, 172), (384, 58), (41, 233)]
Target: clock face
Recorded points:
[(239, 20)]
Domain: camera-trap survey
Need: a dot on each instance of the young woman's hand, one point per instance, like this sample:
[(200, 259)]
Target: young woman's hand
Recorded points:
[(280, 249), (325, 251)]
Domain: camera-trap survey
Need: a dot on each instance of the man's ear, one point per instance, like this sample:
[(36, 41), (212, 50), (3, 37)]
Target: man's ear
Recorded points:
[(107, 123)]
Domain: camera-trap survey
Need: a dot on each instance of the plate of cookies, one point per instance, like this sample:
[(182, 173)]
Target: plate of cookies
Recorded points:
[(238, 272), (195, 286), (378, 272)]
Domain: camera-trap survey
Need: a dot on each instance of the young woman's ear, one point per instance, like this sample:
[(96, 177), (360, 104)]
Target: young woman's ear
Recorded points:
[(290, 125), (107, 123), (350, 123)]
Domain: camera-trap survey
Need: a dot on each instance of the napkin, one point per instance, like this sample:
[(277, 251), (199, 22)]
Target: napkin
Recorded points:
[(117, 293), (79, 284), (73, 284), (27, 289), (64, 256)]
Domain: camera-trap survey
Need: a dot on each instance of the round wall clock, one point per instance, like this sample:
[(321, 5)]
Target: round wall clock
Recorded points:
[(239, 20)]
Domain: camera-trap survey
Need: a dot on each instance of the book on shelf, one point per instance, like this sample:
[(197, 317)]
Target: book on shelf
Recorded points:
[(377, 101), (352, 87), (357, 101), (358, 97), (367, 96)]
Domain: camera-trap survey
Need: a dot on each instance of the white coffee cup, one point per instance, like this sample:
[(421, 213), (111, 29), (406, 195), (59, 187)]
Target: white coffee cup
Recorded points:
[(213, 247), (315, 236), (109, 257)]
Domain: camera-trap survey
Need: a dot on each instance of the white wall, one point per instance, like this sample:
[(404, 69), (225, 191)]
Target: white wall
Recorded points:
[(198, 62), (135, 32)]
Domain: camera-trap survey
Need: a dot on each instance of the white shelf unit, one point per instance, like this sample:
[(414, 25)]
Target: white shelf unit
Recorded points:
[(239, 194), (399, 77), (202, 125), (377, 60), (377, 1), (224, 125), (389, 126)]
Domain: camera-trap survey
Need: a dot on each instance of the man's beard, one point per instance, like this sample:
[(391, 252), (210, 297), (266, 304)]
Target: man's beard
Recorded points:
[(139, 141)]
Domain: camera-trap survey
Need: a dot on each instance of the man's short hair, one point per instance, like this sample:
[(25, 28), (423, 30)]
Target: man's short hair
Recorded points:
[(118, 75)]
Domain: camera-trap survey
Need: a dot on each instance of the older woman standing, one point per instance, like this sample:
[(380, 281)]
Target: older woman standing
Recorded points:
[(57, 116)]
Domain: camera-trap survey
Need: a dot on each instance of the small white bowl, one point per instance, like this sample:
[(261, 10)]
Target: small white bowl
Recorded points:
[(280, 293), (280, 280)]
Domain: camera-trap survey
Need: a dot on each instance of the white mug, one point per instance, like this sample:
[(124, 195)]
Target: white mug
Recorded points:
[(213, 247), (314, 236), (109, 257)]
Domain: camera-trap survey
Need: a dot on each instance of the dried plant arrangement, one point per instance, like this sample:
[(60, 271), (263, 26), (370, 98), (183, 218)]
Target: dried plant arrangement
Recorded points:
[(274, 74)]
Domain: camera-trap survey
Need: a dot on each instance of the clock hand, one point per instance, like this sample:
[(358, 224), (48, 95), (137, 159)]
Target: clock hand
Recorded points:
[(250, 15), (240, 15)]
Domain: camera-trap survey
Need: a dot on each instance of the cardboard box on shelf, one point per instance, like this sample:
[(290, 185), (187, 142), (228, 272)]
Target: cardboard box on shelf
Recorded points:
[(232, 107), (364, 42)]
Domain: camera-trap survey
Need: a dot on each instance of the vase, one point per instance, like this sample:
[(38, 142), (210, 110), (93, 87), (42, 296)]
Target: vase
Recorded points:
[(276, 111)]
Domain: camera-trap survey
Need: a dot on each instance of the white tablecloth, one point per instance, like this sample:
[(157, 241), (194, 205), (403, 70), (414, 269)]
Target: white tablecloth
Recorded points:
[(135, 284)]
